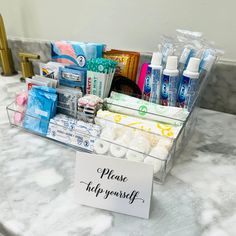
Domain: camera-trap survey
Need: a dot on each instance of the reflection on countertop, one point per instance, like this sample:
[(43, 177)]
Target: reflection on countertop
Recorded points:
[(37, 179)]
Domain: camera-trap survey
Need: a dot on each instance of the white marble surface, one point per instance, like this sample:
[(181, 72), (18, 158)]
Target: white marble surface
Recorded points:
[(37, 178)]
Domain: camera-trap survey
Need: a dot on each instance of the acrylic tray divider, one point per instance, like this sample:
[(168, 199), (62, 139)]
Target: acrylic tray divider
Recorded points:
[(164, 164)]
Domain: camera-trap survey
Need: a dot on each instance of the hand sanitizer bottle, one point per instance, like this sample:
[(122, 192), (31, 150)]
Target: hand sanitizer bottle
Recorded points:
[(156, 74), (169, 82), (189, 84)]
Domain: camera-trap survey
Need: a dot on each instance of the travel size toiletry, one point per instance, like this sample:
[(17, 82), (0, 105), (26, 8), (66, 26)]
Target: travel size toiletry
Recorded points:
[(68, 100), (127, 62), (128, 105), (77, 53), (183, 60), (100, 72), (21, 103), (74, 132), (189, 84), (88, 107), (142, 75), (207, 61), (50, 69), (74, 77), (156, 74), (41, 107), (147, 84), (104, 118), (170, 82)]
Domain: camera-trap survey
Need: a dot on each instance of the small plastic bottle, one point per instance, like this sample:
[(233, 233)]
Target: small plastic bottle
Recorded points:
[(156, 74), (169, 82), (189, 84)]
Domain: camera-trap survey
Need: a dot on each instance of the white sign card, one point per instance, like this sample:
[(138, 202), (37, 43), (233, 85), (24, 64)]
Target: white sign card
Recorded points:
[(114, 184)]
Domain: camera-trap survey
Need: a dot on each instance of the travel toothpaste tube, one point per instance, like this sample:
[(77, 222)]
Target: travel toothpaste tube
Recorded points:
[(156, 74), (189, 85), (170, 82)]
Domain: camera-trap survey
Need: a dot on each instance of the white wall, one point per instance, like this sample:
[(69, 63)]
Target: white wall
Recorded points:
[(123, 24)]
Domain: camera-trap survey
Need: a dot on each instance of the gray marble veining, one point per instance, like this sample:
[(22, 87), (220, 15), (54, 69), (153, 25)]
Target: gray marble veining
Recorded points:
[(37, 179)]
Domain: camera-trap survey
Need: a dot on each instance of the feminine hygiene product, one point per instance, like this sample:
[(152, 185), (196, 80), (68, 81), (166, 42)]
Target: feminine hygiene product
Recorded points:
[(77, 53), (41, 107)]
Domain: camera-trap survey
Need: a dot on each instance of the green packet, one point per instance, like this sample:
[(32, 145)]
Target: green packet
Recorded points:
[(128, 105)]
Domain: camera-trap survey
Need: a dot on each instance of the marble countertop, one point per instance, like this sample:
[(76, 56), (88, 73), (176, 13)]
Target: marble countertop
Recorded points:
[(37, 178)]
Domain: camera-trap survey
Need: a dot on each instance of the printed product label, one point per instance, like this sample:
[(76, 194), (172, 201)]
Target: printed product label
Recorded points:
[(169, 90), (89, 85), (41, 112), (187, 92), (147, 84), (155, 86)]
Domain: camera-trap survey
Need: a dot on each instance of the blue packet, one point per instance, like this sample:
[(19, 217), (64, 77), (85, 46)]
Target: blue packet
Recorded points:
[(41, 107), (74, 77)]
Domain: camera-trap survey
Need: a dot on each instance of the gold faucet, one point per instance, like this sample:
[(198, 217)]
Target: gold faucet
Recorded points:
[(5, 52), (26, 64)]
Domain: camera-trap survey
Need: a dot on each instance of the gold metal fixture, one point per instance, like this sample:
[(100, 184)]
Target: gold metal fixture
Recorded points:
[(26, 64), (5, 52)]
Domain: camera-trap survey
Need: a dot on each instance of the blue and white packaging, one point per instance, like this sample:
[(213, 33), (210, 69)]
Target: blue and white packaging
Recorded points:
[(147, 83), (41, 107), (156, 74), (170, 82), (77, 53), (189, 85), (74, 77)]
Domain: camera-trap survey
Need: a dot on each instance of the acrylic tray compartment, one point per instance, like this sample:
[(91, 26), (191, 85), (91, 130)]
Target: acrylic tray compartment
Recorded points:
[(86, 139)]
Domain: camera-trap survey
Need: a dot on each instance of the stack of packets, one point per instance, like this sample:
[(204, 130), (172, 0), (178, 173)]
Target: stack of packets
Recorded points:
[(73, 132), (100, 73), (39, 80), (88, 107), (68, 100), (73, 76), (50, 69), (127, 62), (76, 53)]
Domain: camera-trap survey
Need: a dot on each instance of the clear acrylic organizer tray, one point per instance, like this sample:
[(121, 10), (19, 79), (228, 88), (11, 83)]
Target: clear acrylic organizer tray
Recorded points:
[(74, 134)]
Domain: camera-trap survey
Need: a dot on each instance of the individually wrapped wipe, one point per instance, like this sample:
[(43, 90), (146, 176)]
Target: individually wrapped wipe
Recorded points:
[(105, 117), (128, 105)]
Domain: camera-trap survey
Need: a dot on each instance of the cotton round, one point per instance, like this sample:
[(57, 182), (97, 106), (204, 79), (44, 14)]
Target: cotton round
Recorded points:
[(101, 146), (134, 156)]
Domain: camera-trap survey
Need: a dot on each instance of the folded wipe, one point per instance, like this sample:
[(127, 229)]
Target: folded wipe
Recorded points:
[(41, 107), (69, 52)]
